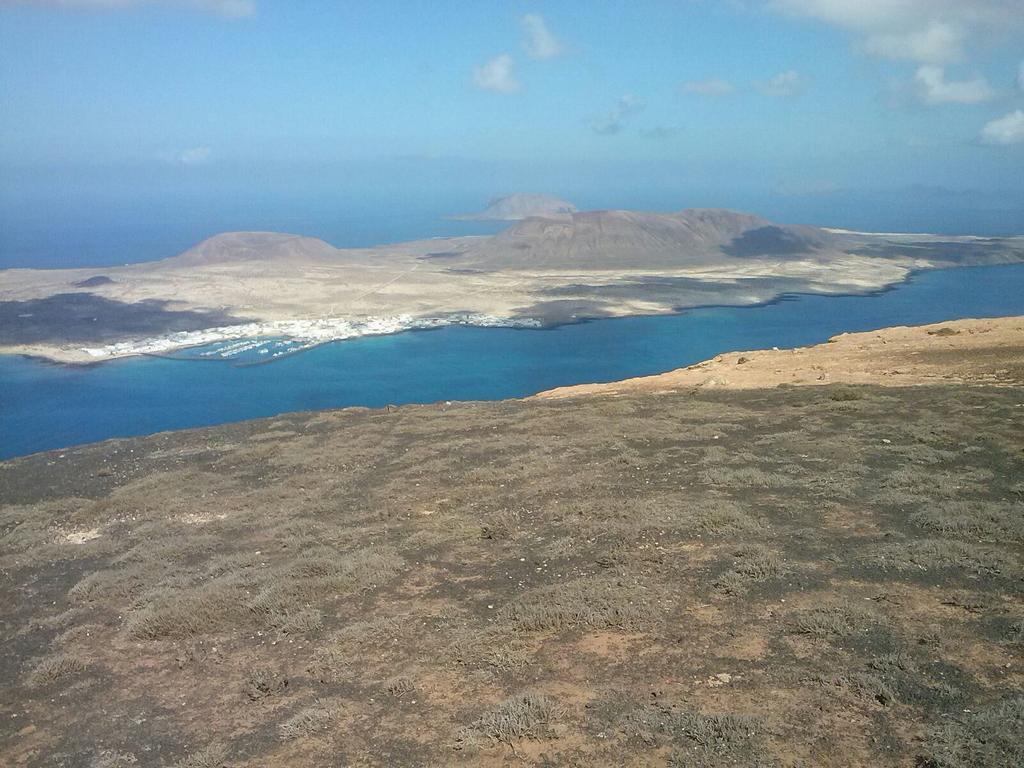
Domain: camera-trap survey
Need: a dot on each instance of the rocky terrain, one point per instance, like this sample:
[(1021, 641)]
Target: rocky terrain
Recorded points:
[(543, 270), (680, 575)]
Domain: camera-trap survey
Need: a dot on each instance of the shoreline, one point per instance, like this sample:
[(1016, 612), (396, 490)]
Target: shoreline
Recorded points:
[(245, 289), (421, 324), (887, 356)]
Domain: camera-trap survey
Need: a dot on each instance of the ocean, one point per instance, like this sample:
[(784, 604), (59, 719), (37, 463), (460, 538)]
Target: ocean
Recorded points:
[(45, 406), (68, 222)]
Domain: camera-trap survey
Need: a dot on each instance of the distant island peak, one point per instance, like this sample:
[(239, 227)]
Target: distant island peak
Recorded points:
[(520, 206)]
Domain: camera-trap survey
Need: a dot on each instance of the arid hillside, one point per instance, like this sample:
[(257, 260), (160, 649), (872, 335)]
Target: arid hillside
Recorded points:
[(824, 575), (983, 351)]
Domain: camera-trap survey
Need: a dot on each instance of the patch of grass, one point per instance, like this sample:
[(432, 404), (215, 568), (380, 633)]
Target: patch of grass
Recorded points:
[(56, 667), (318, 575), (121, 585), (723, 518), (862, 685), (24, 529), (702, 741), (198, 611), (844, 620), (167, 544), (489, 648), (750, 565), (934, 483), (984, 520), (306, 722), (376, 631), (591, 602), (525, 716), (992, 737), (173, 613), (746, 476), (361, 569), (940, 554)]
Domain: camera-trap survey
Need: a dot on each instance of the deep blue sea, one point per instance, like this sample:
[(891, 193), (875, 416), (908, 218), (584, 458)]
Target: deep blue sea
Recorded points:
[(44, 406)]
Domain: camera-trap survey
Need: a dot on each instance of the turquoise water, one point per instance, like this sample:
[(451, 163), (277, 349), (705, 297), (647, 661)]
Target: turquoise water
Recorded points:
[(46, 406)]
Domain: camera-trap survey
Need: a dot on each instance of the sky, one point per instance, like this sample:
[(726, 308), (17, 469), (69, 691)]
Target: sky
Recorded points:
[(784, 104)]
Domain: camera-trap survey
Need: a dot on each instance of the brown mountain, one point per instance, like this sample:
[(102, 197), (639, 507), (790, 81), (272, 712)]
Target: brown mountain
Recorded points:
[(624, 239), (254, 246)]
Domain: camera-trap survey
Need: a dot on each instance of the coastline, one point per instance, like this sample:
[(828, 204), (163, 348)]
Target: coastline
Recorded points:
[(50, 405), (312, 333), (239, 286), (307, 333)]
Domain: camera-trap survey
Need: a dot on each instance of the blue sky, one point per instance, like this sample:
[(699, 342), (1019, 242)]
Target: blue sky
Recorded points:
[(788, 97)]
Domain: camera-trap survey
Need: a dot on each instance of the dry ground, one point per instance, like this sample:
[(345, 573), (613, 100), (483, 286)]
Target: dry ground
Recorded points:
[(794, 576), (978, 351)]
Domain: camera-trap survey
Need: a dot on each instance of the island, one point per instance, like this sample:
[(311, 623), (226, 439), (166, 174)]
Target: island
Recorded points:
[(541, 271), (519, 206)]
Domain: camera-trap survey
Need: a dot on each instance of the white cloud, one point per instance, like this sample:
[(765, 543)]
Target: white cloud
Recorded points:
[(615, 120), (713, 86), (497, 75), (1005, 130), (937, 43), (195, 156), (932, 87), (229, 8), (538, 40), (926, 31), (784, 84)]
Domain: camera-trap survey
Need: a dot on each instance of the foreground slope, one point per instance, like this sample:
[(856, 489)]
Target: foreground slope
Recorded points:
[(820, 575)]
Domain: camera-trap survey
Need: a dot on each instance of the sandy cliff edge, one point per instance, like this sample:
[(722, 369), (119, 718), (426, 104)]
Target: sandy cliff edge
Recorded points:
[(981, 351)]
